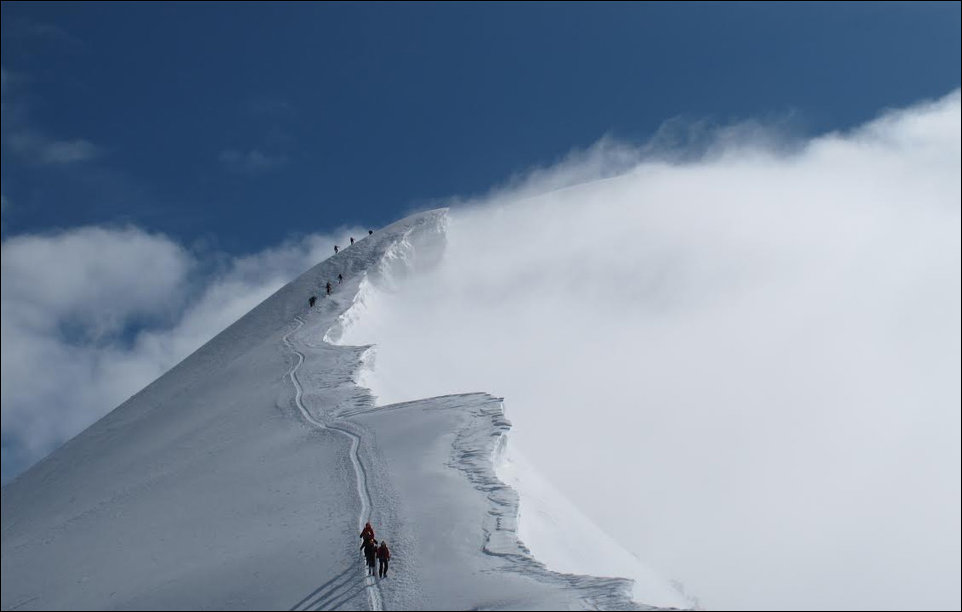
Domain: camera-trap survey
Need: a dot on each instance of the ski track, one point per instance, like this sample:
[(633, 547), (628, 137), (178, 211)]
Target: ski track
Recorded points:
[(371, 585)]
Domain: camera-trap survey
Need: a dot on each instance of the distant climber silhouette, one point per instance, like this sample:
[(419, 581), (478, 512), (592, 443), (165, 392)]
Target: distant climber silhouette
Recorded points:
[(340, 279), (335, 249), (328, 287), (352, 239), (369, 232), (311, 301)]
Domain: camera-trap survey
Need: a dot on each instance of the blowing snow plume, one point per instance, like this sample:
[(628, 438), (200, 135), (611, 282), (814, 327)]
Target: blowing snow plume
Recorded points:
[(745, 368)]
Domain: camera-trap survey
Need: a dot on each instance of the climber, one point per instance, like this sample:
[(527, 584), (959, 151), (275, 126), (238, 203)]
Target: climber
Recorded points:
[(383, 556), (369, 546), (368, 532)]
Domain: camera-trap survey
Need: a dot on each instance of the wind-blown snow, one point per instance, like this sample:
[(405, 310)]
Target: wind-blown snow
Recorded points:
[(745, 368), (240, 479)]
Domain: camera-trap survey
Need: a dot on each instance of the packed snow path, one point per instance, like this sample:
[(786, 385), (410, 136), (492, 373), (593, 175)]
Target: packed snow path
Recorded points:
[(373, 590)]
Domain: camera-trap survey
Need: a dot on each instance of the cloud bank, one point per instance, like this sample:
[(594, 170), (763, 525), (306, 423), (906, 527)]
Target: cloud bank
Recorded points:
[(92, 315), (744, 367)]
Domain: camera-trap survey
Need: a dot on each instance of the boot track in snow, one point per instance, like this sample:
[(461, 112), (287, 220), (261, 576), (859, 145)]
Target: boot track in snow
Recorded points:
[(372, 587)]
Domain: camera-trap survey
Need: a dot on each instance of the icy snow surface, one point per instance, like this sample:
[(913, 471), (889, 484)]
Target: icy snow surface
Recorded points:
[(241, 478)]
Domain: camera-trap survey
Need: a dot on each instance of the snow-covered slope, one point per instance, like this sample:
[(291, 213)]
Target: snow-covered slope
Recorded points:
[(241, 477)]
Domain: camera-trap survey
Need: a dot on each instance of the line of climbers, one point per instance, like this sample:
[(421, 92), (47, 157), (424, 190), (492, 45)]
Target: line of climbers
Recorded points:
[(337, 248), (328, 288), (369, 544), (373, 551)]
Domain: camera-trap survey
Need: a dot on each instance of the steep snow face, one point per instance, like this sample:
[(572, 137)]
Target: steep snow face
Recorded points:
[(240, 479), (208, 489)]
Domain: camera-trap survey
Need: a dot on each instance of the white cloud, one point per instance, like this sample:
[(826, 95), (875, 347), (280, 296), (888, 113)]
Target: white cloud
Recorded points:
[(745, 367), (92, 315), (94, 276)]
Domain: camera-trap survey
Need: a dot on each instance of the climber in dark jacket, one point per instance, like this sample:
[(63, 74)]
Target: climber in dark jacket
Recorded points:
[(311, 301), (383, 556), (369, 546)]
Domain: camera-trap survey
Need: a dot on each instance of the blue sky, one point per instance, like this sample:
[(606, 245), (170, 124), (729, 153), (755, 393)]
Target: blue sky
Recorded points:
[(237, 125)]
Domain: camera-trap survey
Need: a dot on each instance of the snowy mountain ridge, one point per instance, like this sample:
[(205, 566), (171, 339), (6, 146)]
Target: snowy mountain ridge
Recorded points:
[(240, 478)]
